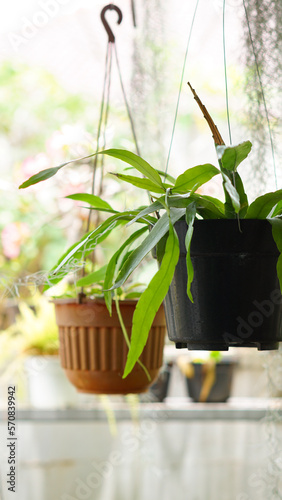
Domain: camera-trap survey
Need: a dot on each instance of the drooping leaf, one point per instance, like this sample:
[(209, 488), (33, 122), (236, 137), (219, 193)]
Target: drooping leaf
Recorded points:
[(194, 177), (136, 162), (93, 278), (151, 300), (242, 195), (276, 223), (190, 217), (158, 231), (231, 156), (207, 206), (47, 173), (112, 265), (262, 206), (141, 183), (79, 250), (93, 200)]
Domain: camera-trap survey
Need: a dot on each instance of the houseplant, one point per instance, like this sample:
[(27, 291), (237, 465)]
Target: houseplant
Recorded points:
[(176, 211), (208, 378), (29, 354)]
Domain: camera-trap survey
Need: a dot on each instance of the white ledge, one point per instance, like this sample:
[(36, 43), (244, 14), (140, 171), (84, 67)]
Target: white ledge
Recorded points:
[(173, 409)]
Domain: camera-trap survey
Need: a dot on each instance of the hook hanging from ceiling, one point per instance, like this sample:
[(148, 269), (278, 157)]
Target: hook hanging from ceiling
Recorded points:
[(105, 22)]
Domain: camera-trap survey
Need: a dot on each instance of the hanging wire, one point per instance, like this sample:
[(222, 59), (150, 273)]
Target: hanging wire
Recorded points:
[(225, 74), (127, 104), (106, 73), (180, 87), (262, 92), (105, 122)]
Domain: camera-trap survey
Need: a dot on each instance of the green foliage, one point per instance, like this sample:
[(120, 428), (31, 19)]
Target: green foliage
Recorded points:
[(175, 201), (35, 331)]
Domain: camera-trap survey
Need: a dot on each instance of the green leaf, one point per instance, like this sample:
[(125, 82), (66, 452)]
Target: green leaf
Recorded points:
[(154, 207), (277, 210), (112, 265), (151, 300), (232, 192), (93, 200), (207, 206), (158, 231), (141, 183), (190, 217), (79, 250), (262, 206), (93, 278), (242, 195), (277, 236), (47, 173), (194, 177), (160, 247), (168, 177), (231, 156), (136, 162)]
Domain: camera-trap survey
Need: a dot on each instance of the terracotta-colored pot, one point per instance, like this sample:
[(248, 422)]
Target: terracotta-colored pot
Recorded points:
[(93, 350)]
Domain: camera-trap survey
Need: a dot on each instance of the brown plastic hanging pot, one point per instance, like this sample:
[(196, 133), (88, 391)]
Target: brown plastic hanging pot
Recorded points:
[(93, 350)]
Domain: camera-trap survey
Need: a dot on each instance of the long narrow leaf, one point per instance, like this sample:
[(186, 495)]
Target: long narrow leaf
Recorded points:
[(93, 200), (194, 177), (111, 267), (93, 278), (232, 192), (190, 217), (158, 231), (47, 173), (151, 300), (136, 162), (154, 207), (141, 183), (82, 248)]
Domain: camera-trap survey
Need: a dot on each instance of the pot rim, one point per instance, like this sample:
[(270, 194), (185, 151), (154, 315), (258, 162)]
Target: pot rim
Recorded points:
[(88, 300)]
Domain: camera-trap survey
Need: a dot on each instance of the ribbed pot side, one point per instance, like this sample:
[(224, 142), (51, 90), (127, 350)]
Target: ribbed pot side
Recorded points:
[(93, 351)]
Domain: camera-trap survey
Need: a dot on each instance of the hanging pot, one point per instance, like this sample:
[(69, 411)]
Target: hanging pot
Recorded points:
[(237, 299), (210, 382), (93, 350)]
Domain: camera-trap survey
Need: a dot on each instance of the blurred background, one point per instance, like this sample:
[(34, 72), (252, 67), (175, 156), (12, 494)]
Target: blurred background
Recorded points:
[(52, 71)]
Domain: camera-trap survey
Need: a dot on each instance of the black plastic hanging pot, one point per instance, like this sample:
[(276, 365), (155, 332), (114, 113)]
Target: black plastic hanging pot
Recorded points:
[(237, 299)]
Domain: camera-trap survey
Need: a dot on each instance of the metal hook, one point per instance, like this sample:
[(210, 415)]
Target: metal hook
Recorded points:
[(105, 22)]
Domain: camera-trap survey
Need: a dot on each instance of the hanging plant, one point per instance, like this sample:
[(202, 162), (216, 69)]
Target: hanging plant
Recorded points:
[(176, 201)]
